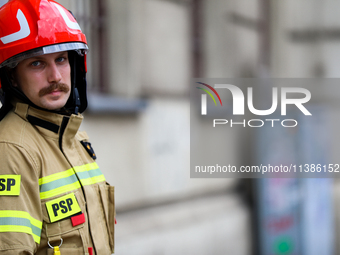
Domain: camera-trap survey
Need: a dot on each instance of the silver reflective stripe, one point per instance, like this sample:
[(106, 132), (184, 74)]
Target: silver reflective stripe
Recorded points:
[(64, 47)]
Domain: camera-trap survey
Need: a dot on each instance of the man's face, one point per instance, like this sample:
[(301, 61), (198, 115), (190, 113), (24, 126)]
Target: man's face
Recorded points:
[(45, 79)]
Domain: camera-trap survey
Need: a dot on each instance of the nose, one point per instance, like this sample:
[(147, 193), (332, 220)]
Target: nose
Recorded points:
[(54, 75)]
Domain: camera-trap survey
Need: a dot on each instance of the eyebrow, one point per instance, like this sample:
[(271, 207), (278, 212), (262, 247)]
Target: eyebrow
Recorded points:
[(42, 58)]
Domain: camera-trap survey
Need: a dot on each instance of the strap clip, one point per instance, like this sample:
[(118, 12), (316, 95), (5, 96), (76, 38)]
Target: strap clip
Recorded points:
[(56, 248)]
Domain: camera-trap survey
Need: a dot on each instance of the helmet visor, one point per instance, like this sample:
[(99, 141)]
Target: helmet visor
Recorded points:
[(80, 48)]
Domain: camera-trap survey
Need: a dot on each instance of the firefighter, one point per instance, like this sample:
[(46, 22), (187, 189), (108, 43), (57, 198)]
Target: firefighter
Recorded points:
[(53, 197)]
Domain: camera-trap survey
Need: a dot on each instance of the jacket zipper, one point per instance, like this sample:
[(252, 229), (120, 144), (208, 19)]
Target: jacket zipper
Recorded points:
[(61, 133)]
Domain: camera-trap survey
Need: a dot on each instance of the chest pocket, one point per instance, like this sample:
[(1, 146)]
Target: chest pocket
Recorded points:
[(57, 225)]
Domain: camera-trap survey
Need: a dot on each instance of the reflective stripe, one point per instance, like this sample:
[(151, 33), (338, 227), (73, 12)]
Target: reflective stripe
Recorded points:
[(89, 174), (86, 167), (60, 190), (20, 221), (93, 180), (56, 176), (66, 181), (59, 183)]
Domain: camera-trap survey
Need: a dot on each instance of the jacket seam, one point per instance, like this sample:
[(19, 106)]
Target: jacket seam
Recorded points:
[(22, 136), (22, 132), (49, 138), (16, 247), (33, 161)]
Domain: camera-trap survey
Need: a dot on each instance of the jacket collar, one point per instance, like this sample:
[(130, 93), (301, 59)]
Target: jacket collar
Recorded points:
[(49, 124)]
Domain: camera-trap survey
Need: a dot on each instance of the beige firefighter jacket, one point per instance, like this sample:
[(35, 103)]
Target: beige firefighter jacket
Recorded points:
[(51, 189)]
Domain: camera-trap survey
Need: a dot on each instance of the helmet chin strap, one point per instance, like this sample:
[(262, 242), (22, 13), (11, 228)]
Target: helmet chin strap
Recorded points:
[(76, 100), (73, 103), (76, 97)]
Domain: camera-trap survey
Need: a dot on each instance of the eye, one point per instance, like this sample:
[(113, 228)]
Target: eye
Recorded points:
[(36, 63), (61, 59)]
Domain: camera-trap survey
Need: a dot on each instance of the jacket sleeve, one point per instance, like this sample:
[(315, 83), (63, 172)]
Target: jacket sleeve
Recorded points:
[(20, 207)]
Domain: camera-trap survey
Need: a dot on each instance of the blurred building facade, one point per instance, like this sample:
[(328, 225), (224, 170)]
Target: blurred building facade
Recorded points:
[(142, 56)]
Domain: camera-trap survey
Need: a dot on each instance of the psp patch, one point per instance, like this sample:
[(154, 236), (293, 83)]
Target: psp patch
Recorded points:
[(10, 185), (62, 207)]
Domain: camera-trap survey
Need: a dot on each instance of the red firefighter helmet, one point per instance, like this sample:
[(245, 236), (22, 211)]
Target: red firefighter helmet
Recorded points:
[(35, 27)]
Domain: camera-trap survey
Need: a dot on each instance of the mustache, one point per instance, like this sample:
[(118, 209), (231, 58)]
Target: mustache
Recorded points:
[(52, 87)]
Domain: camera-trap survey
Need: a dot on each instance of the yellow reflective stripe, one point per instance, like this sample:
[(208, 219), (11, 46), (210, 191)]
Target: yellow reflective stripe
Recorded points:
[(20, 229), (67, 181), (56, 176), (60, 190), (24, 223), (86, 167), (20, 214), (93, 180)]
